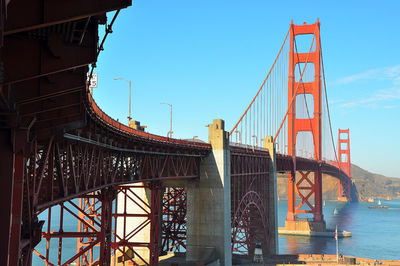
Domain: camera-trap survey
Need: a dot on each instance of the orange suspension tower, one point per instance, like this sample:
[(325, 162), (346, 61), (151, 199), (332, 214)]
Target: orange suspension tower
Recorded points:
[(309, 185), (344, 192)]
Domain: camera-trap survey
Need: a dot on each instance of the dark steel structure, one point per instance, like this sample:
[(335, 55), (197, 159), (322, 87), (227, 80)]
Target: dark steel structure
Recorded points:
[(60, 154)]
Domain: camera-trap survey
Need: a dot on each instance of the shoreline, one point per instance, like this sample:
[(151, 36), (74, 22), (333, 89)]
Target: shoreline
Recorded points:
[(316, 259)]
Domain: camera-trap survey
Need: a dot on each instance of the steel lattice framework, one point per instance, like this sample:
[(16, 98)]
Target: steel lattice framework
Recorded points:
[(249, 200), (61, 155), (174, 220), (65, 168)]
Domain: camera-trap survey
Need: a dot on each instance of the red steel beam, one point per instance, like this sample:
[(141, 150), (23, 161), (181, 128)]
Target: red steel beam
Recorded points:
[(249, 200), (7, 175), (312, 125), (36, 60), (39, 13), (16, 217)]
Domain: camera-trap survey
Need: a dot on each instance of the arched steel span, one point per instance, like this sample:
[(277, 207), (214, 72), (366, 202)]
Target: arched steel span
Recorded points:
[(57, 144)]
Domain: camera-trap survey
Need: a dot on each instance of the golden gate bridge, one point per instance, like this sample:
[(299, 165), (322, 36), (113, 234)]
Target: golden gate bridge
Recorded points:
[(136, 196)]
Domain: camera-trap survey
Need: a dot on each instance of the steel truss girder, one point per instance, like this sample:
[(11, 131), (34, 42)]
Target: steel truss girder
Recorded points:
[(65, 169), (305, 188), (38, 58), (149, 213), (100, 243), (174, 220), (249, 201), (38, 14), (93, 215), (345, 189)]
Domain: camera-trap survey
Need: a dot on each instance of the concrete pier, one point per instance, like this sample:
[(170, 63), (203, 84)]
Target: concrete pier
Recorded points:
[(209, 203), (273, 196), (310, 228)]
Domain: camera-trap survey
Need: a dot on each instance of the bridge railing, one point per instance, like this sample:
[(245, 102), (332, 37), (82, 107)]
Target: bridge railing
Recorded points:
[(128, 130)]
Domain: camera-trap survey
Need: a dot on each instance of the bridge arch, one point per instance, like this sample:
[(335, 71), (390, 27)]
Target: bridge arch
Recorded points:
[(250, 225)]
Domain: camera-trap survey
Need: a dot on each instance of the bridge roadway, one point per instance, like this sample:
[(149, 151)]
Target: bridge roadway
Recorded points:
[(129, 156), (57, 144)]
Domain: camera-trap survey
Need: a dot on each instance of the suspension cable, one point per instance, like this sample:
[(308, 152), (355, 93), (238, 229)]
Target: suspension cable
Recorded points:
[(327, 106), (284, 41), (297, 87)]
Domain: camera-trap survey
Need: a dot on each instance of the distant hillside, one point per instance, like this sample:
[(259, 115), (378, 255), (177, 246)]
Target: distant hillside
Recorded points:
[(367, 185), (374, 185)]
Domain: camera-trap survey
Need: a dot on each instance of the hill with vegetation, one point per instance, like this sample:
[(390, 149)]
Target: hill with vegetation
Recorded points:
[(367, 185)]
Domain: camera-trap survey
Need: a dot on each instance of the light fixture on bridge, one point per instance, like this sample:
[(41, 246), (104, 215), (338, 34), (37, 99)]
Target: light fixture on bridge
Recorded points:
[(254, 136), (170, 125), (130, 94), (240, 137)]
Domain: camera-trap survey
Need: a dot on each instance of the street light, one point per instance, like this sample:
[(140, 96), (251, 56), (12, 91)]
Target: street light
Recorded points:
[(129, 82), (254, 136), (240, 137), (170, 125)]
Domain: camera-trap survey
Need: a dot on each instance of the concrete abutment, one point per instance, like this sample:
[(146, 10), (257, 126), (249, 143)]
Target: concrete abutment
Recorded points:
[(209, 203)]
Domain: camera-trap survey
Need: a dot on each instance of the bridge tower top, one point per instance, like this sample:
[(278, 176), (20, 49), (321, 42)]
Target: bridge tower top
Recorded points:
[(299, 86), (300, 124), (344, 151)]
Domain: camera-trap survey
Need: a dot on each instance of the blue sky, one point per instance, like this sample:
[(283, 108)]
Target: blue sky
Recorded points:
[(208, 58)]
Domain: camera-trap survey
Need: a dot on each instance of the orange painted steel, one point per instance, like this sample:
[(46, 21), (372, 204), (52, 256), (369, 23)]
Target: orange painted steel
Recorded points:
[(262, 85), (250, 199), (58, 166), (310, 124), (126, 233), (173, 225), (93, 214), (133, 132), (344, 192)]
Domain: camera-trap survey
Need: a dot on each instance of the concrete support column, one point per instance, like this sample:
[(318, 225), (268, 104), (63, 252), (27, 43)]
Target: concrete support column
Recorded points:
[(269, 144), (136, 125), (209, 203)]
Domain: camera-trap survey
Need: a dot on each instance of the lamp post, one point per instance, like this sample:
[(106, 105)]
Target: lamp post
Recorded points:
[(240, 137), (170, 125), (254, 136), (130, 91)]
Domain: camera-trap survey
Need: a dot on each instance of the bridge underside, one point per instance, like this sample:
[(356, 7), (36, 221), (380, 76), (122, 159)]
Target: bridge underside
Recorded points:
[(45, 51), (61, 156)]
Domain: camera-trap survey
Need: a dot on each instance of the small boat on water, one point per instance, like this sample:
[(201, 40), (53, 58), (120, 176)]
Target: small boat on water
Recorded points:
[(379, 206), (335, 212), (370, 200)]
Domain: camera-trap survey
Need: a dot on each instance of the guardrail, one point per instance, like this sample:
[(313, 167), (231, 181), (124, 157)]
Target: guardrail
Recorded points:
[(125, 129)]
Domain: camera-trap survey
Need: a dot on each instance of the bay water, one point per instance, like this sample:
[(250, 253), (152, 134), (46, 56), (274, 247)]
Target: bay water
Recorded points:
[(375, 232)]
